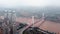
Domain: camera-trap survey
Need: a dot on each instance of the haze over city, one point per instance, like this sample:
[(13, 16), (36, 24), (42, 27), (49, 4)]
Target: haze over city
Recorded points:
[(29, 16)]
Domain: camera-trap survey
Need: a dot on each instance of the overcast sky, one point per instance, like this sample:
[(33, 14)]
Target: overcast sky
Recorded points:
[(40, 3)]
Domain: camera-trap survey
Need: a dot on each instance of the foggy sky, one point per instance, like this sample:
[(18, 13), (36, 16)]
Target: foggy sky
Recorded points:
[(40, 3)]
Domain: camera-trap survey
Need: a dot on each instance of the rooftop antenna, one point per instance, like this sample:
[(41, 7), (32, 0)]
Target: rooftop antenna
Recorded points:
[(33, 20)]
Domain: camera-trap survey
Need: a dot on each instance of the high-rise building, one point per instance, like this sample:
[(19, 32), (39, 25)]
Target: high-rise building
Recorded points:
[(9, 20)]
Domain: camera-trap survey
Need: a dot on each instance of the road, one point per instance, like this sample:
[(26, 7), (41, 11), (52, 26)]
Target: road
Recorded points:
[(47, 25)]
